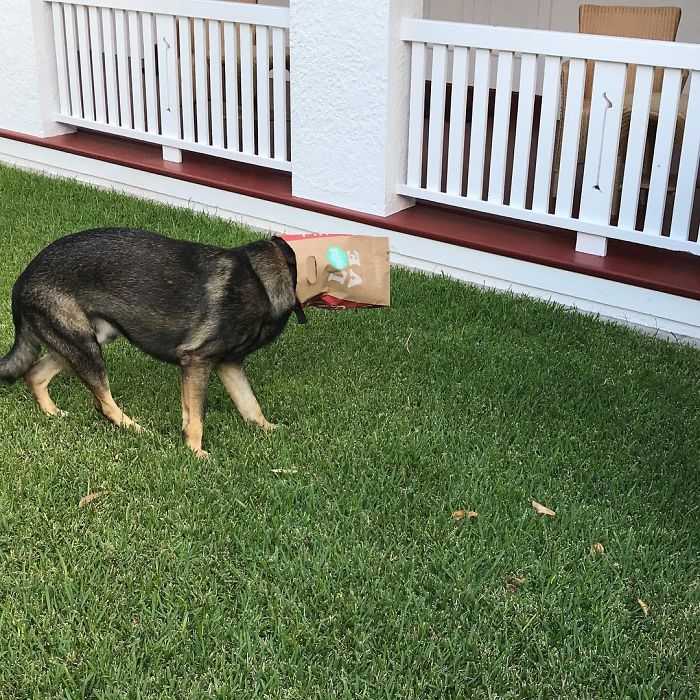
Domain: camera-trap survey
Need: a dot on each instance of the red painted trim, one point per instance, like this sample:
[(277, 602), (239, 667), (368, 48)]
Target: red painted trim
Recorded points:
[(642, 266)]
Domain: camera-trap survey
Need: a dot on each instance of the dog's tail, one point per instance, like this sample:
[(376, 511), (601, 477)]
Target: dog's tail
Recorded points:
[(22, 356)]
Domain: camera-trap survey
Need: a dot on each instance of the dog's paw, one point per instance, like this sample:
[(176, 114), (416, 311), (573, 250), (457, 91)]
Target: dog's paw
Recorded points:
[(135, 427), (270, 427), (201, 454), (123, 421), (54, 412)]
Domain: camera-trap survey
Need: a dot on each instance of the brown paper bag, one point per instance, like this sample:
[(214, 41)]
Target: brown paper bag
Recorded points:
[(341, 271)]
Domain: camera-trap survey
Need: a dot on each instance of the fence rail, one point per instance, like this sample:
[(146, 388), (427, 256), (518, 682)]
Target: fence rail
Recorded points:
[(196, 75), (611, 147)]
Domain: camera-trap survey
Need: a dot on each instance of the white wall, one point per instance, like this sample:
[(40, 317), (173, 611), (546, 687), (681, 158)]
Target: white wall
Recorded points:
[(533, 14), (20, 109), (559, 15), (27, 74)]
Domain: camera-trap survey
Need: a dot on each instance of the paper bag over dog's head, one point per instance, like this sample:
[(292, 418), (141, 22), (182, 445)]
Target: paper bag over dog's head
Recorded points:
[(350, 268)]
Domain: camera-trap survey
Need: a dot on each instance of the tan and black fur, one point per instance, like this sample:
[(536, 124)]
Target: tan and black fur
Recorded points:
[(200, 307)]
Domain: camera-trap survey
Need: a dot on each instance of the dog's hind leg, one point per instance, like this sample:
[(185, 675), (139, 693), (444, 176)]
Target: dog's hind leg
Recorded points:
[(239, 389), (72, 338), (38, 379), (195, 378)]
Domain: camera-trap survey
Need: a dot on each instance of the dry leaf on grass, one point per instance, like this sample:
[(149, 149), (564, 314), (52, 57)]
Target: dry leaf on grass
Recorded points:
[(284, 471), (597, 549), (87, 500), (542, 510), (513, 583), (643, 606)]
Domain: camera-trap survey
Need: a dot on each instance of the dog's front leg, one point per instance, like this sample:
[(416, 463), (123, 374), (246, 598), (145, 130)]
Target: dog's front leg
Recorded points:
[(241, 393), (195, 378)]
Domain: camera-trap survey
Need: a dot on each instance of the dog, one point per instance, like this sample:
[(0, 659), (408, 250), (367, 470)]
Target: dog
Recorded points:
[(200, 307)]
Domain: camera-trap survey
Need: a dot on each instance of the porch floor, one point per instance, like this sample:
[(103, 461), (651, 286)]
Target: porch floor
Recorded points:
[(642, 266)]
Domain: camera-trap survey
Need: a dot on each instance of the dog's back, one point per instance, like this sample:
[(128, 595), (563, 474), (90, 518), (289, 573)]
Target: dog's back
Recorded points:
[(168, 297)]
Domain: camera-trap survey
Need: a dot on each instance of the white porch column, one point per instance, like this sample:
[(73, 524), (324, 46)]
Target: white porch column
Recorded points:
[(350, 81), (27, 69)]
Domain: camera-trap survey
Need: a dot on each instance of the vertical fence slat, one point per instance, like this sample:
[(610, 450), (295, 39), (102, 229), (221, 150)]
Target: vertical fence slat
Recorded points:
[(523, 130), (663, 150), (688, 165), (98, 76), (166, 34), (547, 133), (184, 31), (85, 63), (477, 142), (279, 88), (262, 46), (136, 50), (201, 81), (149, 71), (123, 69), (59, 37), (436, 124), (458, 116), (636, 145), (501, 127), (247, 106), (602, 145), (416, 117), (76, 103), (570, 137), (110, 66), (231, 68), (216, 85)]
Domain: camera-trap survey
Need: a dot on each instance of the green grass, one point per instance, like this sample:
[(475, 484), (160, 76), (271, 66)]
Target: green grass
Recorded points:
[(349, 578)]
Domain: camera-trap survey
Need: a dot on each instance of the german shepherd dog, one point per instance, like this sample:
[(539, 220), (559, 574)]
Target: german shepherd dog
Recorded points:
[(200, 307)]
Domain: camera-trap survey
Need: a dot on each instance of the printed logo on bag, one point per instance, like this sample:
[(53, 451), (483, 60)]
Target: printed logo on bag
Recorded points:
[(347, 277)]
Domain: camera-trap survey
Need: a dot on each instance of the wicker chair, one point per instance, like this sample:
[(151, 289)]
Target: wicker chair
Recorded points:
[(660, 23)]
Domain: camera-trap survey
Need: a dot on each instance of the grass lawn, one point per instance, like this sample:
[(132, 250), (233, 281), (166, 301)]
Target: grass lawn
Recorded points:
[(348, 577)]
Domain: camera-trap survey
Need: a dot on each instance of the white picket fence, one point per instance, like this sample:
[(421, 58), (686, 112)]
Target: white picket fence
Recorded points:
[(196, 75), (604, 200)]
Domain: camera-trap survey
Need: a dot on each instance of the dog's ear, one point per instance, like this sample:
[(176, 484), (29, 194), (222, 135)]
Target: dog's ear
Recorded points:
[(288, 255), (286, 251), (291, 259)]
